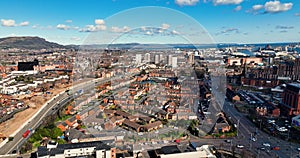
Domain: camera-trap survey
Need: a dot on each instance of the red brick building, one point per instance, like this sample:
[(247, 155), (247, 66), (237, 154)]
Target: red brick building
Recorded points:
[(291, 99)]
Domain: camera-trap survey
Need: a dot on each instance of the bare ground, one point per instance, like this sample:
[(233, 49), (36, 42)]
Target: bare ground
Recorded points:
[(36, 102)]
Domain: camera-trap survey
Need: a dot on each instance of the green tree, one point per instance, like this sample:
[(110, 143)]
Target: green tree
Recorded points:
[(55, 133)]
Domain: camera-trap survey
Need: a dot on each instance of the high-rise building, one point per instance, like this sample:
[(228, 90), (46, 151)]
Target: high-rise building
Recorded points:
[(174, 62), (191, 58), (147, 57), (138, 58), (170, 60), (156, 59), (291, 99), (161, 57)]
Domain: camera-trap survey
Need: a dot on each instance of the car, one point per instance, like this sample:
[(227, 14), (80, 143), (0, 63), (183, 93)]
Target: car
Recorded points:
[(228, 140), (276, 148), (240, 146), (262, 148), (253, 139), (271, 121), (266, 144)]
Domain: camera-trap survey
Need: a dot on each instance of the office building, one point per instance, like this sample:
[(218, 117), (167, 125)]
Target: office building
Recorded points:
[(138, 58), (156, 59), (291, 100), (147, 57), (169, 59), (174, 62)]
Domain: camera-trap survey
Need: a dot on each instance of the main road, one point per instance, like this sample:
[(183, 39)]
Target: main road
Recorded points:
[(55, 103), (246, 129)]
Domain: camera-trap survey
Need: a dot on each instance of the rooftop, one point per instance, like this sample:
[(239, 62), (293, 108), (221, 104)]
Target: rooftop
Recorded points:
[(297, 85), (43, 151)]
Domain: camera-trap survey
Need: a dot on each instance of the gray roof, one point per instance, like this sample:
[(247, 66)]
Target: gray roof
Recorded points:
[(43, 151)]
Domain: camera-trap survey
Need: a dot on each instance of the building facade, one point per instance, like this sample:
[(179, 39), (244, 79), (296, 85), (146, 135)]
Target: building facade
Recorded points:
[(291, 99)]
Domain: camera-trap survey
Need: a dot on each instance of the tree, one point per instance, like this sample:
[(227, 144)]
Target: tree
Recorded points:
[(56, 132)]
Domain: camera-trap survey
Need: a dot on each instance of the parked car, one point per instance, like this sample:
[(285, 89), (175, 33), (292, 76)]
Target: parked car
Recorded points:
[(228, 140), (240, 146), (266, 144), (253, 139), (276, 148)]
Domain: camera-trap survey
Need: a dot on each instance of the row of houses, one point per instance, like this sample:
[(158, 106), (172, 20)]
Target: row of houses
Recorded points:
[(140, 123)]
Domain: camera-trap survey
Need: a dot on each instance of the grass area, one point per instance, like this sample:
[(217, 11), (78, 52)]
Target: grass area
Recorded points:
[(63, 118), (36, 144), (50, 132)]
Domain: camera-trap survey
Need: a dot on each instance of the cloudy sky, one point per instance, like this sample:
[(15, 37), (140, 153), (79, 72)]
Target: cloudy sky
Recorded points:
[(166, 21)]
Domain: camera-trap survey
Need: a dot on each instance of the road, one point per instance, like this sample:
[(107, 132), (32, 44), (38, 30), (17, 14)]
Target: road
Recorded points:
[(55, 103), (246, 129)]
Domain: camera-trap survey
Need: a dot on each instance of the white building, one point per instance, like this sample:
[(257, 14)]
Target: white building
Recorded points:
[(169, 59), (147, 57), (9, 90), (156, 59), (82, 149), (174, 62), (138, 58), (161, 57), (191, 58), (172, 151)]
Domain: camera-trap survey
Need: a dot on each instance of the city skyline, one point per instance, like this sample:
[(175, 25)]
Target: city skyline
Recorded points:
[(164, 22)]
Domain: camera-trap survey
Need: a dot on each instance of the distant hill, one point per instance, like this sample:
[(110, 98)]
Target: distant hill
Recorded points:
[(27, 42)]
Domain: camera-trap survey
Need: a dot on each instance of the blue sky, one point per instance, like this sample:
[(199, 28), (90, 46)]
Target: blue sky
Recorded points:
[(167, 21)]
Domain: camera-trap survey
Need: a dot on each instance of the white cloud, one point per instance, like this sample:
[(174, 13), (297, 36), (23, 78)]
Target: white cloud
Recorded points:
[(69, 21), (117, 29), (99, 26), (143, 28), (75, 38), (271, 7), (99, 22), (225, 2), (228, 30), (174, 32), (93, 28), (24, 23), (165, 26), (89, 28), (237, 8), (186, 2), (276, 6), (12, 35), (63, 27), (149, 33), (297, 14), (35, 26), (257, 7), (8, 22), (284, 27)]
